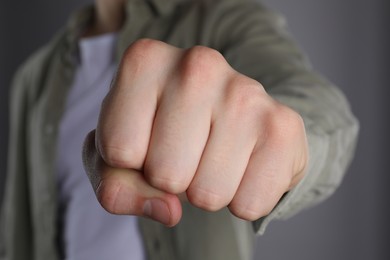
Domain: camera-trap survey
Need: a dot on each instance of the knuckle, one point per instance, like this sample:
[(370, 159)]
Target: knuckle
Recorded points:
[(164, 177), (290, 116), (205, 199), (143, 46), (107, 195), (200, 64), (119, 156), (140, 53), (286, 123), (249, 212), (244, 96), (203, 55)]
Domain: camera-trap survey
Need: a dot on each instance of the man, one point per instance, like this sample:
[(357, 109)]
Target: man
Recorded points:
[(229, 129)]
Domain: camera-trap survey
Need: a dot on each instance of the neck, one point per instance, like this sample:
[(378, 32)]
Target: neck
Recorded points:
[(108, 17)]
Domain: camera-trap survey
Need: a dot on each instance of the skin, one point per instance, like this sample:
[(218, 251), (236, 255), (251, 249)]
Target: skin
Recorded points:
[(182, 125), (109, 17)]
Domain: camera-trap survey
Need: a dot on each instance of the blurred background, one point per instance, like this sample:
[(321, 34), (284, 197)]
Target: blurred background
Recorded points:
[(347, 41)]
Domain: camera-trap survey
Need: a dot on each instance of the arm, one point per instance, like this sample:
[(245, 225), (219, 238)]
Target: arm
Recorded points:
[(260, 47), (132, 160)]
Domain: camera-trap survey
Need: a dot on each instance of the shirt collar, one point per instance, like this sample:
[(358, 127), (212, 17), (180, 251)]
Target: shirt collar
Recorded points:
[(80, 19), (83, 16), (74, 28)]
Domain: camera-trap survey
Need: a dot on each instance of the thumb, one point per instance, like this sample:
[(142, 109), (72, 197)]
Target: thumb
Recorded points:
[(125, 191)]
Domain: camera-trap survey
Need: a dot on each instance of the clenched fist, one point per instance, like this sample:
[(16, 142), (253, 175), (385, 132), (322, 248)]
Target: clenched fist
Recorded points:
[(183, 125)]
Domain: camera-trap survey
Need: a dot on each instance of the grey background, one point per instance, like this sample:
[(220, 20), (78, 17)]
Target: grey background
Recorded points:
[(348, 42)]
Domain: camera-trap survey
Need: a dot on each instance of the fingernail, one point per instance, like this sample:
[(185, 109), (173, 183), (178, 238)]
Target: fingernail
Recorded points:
[(158, 210)]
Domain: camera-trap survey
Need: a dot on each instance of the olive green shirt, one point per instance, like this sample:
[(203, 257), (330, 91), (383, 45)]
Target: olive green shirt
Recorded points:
[(255, 42)]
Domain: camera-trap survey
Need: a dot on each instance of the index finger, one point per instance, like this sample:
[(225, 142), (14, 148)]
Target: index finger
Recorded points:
[(127, 113)]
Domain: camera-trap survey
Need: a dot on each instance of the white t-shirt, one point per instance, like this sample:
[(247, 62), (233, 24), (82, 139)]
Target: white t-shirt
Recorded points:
[(88, 231)]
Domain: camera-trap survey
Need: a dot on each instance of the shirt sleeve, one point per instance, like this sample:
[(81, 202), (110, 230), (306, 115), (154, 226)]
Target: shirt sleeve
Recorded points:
[(15, 224), (258, 45)]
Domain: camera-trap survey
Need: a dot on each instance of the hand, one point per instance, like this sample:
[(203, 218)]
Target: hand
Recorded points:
[(184, 122)]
